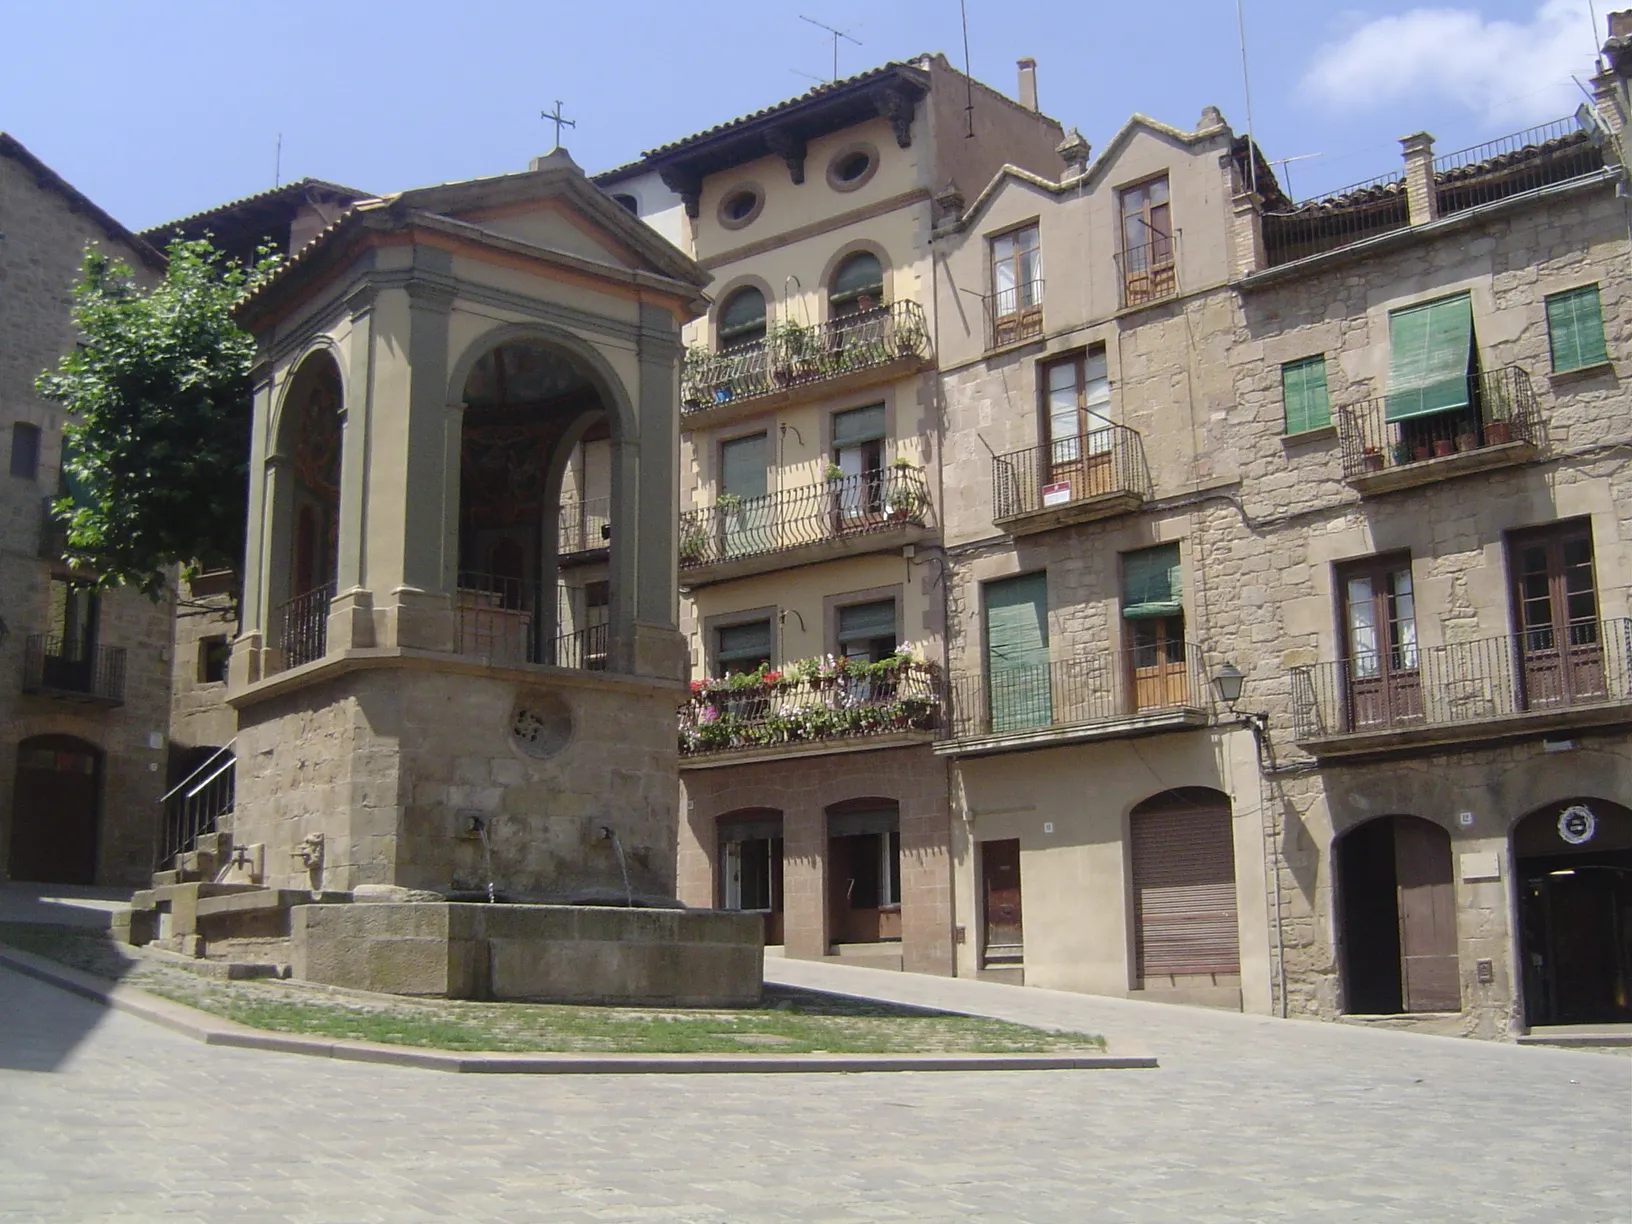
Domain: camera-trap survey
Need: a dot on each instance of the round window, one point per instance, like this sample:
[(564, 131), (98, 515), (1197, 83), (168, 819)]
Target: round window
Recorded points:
[(541, 724), (740, 206), (851, 167)]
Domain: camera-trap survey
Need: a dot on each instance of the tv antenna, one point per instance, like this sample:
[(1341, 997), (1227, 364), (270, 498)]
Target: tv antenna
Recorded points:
[(277, 163), (1284, 162), (556, 118), (837, 34)]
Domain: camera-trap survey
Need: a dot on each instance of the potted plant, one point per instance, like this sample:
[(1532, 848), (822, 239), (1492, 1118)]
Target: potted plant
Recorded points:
[(693, 544), (1403, 453), (793, 350), (1466, 441), (909, 334), (1443, 447), (1371, 459)]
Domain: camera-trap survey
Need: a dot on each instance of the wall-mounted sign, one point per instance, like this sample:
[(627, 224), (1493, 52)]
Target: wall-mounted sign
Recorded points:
[(1057, 494), (1577, 824)]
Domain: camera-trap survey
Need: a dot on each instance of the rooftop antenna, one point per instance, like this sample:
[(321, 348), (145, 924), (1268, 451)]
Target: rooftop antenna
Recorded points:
[(1284, 162), (1597, 52), (809, 76), (837, 34), (555, 117), (277, 164), (1246, 88), (968, 79)]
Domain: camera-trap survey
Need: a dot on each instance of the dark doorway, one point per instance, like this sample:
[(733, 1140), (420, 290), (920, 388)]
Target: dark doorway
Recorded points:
[(1397, 918), (750, 844), (54, 811), (864, 871), (1000, 892), (1574, 866)]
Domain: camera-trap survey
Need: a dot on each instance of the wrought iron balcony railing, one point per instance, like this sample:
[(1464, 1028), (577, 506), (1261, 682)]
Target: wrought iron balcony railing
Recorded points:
[(843, 701), (1524, 161), (1061, 693), (305, 626), (1539, 671), (810, 514), (793, 355), (56, 667), (585, 525), (1081, 468), (1015, 314), (1501, 409), (1149, 272), (497, 620)]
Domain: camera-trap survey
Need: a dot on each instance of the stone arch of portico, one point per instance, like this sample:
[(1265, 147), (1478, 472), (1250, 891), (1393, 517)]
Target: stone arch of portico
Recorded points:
[(314, 345), (608, 384)]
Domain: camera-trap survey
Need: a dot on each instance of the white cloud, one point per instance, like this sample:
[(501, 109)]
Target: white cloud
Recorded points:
[(1517, 71)]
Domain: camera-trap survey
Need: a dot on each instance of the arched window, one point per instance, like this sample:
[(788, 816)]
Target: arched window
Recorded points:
[(858, 285), (742, 318)]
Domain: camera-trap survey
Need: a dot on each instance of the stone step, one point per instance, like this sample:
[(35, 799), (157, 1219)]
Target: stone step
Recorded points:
[(161, 878)]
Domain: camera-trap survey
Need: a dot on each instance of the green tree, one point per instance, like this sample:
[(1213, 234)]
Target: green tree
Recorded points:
[(158, 391)]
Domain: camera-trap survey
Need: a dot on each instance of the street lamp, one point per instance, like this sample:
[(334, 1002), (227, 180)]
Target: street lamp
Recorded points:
[(1228, 681)]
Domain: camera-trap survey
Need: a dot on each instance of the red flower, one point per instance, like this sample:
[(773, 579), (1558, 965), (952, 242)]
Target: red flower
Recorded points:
[(771, 677), (696, 686)]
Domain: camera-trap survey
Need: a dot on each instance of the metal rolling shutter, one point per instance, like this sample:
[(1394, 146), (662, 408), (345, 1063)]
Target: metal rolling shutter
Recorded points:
[(1184, 892)]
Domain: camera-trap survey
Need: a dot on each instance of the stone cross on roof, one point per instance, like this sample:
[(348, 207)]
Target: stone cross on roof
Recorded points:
[(556, 118)]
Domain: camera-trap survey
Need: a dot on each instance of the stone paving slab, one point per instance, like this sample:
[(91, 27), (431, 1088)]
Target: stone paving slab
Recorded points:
[(104, 1117)]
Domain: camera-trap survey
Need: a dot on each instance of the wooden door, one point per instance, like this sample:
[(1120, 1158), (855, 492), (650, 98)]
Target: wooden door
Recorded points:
[(1184, 908), (1147, 242), (1159, 674), (1556, 607), (54, 812), (1000, 891), (1017, 671), (1429, 975), (1380, 644), (1079, 425)]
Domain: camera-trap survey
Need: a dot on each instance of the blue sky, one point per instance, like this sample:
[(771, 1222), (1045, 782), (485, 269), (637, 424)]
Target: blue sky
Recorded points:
[(157, 110)]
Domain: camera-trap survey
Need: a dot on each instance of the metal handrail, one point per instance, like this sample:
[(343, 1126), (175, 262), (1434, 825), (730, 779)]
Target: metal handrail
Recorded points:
[(1102, 461), (208, 761), (1501, 408)]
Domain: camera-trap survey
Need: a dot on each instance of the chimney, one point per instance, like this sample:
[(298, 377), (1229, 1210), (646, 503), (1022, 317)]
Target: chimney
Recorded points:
[(1028, 83), (1620, 24)]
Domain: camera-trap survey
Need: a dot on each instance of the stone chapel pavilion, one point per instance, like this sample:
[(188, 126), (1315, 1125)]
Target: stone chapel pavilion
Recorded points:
[(433, 362)]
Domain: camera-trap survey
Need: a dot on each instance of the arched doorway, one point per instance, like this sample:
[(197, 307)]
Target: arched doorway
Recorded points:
[(312, 441), (1573, 860), (1397, 918), (1186, 931), (864, 871), (529, 406), (750, 842), (55, 811)]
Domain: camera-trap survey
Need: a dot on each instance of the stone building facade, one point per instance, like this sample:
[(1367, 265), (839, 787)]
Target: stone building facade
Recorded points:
[(809, 541), (1229, 446), (84, 678)]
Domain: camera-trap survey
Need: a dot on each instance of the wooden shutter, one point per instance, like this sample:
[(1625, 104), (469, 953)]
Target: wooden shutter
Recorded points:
[(742, 467), (1152, 583), (1430, 977), (857, 426), (1303, 391), (1017, 652), (1430, 356), (1184, 892), (1575, 329)]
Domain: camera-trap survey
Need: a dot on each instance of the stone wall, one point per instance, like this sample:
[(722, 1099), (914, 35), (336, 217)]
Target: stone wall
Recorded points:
[(46, 234)]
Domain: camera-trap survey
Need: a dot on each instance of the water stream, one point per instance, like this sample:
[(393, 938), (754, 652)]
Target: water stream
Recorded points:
[(628, 893), (487, 857)]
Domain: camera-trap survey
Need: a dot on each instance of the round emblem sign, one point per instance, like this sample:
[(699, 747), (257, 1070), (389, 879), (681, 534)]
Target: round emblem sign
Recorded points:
[(1577, 824)]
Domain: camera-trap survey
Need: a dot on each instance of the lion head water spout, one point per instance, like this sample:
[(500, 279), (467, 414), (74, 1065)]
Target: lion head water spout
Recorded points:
[(608, 835)]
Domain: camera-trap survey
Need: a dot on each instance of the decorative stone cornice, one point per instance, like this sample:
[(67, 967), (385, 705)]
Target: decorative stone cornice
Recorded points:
[(790, 147), (899, 107)]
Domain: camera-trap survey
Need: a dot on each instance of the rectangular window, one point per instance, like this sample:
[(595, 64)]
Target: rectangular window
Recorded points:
[(867, 631), (25, 451), (1017, 653), (1380, 642), (858, 452), (1555, 608), (1079, 408), (213, 655), (1017, 285), (1575, 329), (1147, 243), (1303, 393), (1153, 607), (746, 517), (742, 648), (1430, 358)]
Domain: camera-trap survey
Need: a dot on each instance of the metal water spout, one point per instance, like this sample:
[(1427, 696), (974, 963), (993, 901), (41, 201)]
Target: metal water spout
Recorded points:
[(628, 894), (479, 824)]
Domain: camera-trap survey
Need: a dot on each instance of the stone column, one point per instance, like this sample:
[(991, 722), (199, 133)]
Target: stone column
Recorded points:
[(351, 614), (659, 648), (246, 664), (430, 490), (1421, 199), (1247, 233)]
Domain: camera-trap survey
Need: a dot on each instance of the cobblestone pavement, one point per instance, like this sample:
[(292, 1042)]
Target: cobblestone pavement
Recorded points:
[(104, 1117)]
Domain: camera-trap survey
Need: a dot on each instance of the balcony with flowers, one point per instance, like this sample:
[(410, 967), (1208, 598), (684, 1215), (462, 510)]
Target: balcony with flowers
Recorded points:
[(816, 705)]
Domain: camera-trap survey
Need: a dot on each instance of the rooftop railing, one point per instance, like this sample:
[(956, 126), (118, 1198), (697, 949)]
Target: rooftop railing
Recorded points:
[(1524, 161), (809, 514), (811, 703), (793, 355), (1102, 461), (1084, 690), (1501, 409), (1360, 210), (58, 667), (1149, 271), (1539, 671)]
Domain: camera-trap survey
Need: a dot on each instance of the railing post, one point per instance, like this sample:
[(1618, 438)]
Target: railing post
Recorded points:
[(1421, 199)]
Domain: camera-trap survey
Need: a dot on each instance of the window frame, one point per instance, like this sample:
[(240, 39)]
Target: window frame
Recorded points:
[(1302, 366), (718, 659), (1155, 277), (36, 434), (1600, 354), (731, 337), (838, 639), (1026, 317)]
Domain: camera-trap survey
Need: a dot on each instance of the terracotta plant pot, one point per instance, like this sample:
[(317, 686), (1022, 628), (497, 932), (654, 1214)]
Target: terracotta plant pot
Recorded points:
[(1371, 461), (1498, 433), (1443, 447), (1419, 453)]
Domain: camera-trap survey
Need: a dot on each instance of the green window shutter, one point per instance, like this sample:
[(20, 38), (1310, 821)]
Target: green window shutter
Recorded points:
[(743, 643), (1430, 357), (1575, 329), (68, 484), (1151, 583), (1017, 652), (857, 426), (868, 620), (1303, 390), (861, 273), (742, 467)]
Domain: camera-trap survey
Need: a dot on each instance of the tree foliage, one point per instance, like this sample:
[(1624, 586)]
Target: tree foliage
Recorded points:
[(158, 392)]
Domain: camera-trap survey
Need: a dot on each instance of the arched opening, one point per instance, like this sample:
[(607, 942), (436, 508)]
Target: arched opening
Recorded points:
[(864, 871), (1396, 918), (750, 865), (1186, 932), (857, 285), (534, 559), (742, 318), (1574, 864), (56, 808), (311, 437)]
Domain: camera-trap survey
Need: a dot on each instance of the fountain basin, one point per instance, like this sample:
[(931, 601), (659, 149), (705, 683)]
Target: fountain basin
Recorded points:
[(537, 953)]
